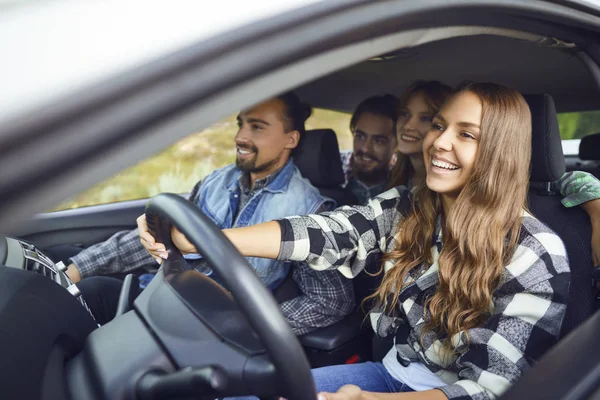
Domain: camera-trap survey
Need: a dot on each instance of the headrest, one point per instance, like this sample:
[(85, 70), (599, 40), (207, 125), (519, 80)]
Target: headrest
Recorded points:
[(589, 147), (319, 158), (547, 159)]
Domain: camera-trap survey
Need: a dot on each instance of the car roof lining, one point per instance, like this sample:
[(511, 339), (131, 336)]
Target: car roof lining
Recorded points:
[(341, 88), (527, 62), (413, 56), (335, 86)]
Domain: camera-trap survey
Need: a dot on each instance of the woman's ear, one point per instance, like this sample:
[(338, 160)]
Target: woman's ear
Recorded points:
[(293, 140)]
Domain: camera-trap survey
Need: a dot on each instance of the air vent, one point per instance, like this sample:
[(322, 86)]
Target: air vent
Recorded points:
[(37, 262)]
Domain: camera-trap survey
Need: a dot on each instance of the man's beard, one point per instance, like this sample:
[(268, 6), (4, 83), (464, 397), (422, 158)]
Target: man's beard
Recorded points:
[(372, 176), (250, 165)]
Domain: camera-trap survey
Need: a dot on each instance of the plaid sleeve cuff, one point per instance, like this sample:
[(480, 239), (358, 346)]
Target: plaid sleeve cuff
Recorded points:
[(295, 238), (85, 263), (287, 240), (120, 253)]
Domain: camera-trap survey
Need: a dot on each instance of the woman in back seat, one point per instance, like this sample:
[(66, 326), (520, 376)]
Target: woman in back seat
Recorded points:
[(475, 288)]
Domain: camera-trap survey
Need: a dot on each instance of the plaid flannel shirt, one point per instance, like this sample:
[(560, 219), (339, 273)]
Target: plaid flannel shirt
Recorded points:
[(326, 297), (528, 306)]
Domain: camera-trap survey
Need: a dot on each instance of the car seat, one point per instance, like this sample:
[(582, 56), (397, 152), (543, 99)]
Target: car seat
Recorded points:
[(571, 224), (550, 378), (318, 160)]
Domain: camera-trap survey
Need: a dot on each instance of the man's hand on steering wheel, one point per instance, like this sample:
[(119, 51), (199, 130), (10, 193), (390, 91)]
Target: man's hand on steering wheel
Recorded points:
[(158, 250)]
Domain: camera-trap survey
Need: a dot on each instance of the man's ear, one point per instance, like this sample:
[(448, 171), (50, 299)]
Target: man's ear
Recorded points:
[(293, 140)]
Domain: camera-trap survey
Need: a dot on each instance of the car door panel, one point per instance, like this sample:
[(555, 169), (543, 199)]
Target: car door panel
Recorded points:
[(81, 227)]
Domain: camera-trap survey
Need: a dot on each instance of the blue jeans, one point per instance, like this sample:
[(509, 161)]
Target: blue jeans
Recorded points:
[(369, 376)]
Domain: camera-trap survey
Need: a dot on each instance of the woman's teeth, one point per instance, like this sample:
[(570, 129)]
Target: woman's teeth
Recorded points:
[(442, 164), (407, 138)]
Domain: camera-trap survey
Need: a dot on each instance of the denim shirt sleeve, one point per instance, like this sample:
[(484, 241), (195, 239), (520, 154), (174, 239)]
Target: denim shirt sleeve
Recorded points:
[(578, 187)]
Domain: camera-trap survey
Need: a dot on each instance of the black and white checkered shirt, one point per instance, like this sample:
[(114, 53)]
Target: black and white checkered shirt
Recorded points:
[(528, 306), (326, 297)]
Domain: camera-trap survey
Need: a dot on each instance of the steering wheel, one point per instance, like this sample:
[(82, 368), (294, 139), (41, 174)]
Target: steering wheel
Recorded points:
[(253, 298)]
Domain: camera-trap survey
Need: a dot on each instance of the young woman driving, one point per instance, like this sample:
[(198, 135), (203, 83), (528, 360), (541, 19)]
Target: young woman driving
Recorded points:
[(474, 289)]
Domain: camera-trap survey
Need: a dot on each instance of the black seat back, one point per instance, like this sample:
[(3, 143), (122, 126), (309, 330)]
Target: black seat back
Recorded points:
[(571, 224), (319, 162)]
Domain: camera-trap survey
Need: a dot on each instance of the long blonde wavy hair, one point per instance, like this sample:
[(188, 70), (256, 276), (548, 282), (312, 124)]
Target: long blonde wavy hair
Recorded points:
[(480, 231)]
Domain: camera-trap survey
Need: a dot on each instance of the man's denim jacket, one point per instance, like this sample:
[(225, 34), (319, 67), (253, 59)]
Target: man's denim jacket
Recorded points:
[(287, 195)]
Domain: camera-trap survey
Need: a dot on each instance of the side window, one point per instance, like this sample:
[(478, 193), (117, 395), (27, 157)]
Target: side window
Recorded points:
[(178, 168), (575, 125)]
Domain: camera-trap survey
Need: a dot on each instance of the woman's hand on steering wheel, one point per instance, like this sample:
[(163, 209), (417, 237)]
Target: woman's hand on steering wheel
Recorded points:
[(158, 250)]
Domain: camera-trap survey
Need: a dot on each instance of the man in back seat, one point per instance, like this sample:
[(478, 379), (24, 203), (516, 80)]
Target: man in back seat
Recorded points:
[(262, 185), (367, 165)]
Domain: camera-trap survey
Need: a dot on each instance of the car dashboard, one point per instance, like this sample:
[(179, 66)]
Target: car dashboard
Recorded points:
[(17, 253)]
